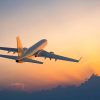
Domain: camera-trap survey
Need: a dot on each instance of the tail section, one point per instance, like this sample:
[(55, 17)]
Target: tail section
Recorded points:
[(19, 46)]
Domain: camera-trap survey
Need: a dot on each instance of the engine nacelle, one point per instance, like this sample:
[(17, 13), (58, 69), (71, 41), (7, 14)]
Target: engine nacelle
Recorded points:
[(55, 59), (14, 52), (8, 52), (37, 53), (50, 58), (52, 52)]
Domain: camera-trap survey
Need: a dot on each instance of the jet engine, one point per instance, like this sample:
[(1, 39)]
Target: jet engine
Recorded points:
[(51, 52), (37, 53)]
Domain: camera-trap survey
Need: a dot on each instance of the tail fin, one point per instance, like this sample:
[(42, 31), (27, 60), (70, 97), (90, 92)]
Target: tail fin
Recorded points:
[(19, 46)]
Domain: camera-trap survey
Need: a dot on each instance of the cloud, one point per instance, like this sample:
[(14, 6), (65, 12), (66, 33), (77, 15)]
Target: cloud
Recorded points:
[(17, 86), (88, 90)]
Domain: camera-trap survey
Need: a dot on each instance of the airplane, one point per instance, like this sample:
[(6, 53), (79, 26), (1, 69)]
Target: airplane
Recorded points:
[(28, 54)]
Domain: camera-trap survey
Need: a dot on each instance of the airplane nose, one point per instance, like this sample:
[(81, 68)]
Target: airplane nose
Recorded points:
[(44, 40)]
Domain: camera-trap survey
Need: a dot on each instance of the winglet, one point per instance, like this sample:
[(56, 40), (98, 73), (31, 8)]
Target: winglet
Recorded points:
[(80, 59)]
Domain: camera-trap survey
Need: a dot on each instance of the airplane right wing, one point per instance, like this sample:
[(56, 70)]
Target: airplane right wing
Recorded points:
[(51, 55)]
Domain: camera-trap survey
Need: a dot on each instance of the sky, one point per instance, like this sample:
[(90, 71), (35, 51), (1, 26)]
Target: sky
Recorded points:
[(71, 28)]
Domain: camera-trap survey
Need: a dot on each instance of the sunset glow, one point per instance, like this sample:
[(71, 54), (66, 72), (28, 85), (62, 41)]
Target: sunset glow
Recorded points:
[(72, 28)]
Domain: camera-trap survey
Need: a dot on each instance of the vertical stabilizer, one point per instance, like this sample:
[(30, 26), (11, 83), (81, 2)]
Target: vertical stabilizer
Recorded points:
[(19, 46)]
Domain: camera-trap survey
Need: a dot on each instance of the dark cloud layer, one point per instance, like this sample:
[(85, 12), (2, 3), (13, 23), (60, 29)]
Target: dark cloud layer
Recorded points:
[(90, 90)]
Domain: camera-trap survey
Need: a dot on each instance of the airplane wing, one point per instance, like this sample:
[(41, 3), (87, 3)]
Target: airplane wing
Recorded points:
[(9, 49), (9, 57), (24, 60), (51, 55)]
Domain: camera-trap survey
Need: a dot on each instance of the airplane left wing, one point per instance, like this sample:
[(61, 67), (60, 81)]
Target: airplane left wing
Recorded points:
[(9, 57), (9, 49), (51, 55)]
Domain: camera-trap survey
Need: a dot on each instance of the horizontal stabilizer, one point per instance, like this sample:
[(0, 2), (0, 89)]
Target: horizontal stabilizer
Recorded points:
[(23, 60), (32, 61)]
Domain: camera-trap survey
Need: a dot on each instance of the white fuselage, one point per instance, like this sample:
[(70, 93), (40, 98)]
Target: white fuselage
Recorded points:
[(33, 49)]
